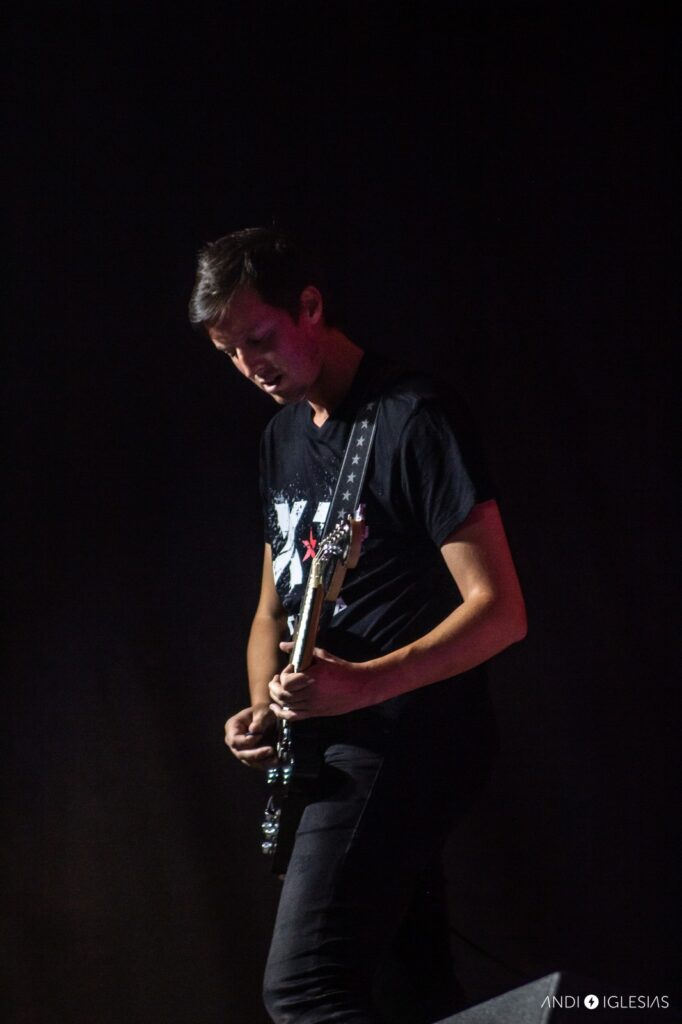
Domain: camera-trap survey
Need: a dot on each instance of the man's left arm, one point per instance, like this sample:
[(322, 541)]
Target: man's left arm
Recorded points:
[(491, 617)]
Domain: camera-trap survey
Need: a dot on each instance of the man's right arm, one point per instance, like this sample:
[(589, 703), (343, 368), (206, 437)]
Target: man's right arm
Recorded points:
[(246, 733)]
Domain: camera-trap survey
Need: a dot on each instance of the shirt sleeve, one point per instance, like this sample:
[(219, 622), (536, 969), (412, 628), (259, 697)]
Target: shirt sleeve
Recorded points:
[(441, 478)]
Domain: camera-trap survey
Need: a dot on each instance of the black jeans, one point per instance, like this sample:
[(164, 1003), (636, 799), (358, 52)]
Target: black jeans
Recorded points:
[(361, 935)]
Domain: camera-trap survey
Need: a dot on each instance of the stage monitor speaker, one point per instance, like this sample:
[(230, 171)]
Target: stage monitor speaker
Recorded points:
[(557, 998)]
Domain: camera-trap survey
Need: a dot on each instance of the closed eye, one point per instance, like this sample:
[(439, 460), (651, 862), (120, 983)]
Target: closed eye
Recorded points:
[(252, 343)]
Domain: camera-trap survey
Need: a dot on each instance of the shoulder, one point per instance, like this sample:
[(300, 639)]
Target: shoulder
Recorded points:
[(412, 398), (425, 421)]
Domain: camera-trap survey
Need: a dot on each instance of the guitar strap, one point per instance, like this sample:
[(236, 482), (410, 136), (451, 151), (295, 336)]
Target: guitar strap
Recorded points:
[(348, 488)]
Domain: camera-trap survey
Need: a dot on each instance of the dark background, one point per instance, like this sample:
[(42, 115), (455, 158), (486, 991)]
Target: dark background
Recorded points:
[(493, 185)]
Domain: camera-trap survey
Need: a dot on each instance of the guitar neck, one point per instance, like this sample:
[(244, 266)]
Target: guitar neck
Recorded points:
[(339, 550), (308, 623)]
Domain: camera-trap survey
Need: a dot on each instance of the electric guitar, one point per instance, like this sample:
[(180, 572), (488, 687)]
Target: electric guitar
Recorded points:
[(298, 756)]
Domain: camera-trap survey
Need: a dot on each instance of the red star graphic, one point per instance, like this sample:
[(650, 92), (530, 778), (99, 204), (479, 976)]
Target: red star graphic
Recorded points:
[(310, 546)]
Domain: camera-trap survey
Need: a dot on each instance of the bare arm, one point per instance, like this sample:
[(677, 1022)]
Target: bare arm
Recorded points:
[(490, 618), (248, 734), (263, 658)]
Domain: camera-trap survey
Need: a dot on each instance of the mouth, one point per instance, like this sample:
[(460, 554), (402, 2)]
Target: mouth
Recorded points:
[(270, 384)]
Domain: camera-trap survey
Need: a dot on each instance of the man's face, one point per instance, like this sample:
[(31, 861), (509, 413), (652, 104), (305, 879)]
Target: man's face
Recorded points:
[(280, 356)]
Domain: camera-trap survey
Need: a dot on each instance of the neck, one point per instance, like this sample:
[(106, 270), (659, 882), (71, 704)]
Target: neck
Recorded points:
[(341, 360)]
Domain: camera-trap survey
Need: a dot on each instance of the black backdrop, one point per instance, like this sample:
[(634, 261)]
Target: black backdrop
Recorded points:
[(493, 184)]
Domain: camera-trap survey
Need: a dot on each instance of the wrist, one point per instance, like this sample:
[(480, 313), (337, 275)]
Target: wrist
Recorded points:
[(259, 712), (385, 676), (373, 679)]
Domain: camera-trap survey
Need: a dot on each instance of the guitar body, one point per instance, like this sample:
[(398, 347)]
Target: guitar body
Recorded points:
[(299, 744)]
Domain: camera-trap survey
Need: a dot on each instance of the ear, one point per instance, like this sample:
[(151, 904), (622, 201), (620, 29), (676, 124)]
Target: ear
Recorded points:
[(311, 306)]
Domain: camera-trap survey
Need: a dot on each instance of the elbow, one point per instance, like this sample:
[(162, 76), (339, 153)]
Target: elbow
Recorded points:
[(517, 622), (521, 630), (511, 623), (506, 619)]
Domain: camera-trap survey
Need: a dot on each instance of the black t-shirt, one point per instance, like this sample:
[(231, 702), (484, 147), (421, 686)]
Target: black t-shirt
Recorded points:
[(423, 479)]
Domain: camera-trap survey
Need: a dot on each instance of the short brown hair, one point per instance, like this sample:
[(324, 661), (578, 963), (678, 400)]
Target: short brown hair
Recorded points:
[(264, 258)]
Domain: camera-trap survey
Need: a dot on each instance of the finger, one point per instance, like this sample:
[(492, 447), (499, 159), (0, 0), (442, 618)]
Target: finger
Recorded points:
[(257, 754), (290, 692), (261, 722), (322, 655), (286, 645), (294, 689), (291, 704), (264, 757), (285, 700), (252, 742), (288, 714), (291, 701), (236, 726), (275, 690), (233, 735), (293, 680)]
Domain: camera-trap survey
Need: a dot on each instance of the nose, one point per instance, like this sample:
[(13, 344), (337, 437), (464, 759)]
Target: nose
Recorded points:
[(247, 362)]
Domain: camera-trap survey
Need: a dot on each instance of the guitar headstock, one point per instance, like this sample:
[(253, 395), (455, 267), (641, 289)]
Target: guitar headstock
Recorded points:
[(339, 550)]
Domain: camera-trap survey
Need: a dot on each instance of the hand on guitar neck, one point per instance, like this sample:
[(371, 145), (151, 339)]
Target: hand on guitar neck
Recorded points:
[(252, 734), (328, 686)]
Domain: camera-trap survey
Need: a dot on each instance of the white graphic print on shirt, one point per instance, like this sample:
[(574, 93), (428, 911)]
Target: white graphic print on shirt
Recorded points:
[(288, 515)]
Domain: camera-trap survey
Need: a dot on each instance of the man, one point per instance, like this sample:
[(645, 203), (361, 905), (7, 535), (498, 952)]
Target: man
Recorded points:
[(396, 688)]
